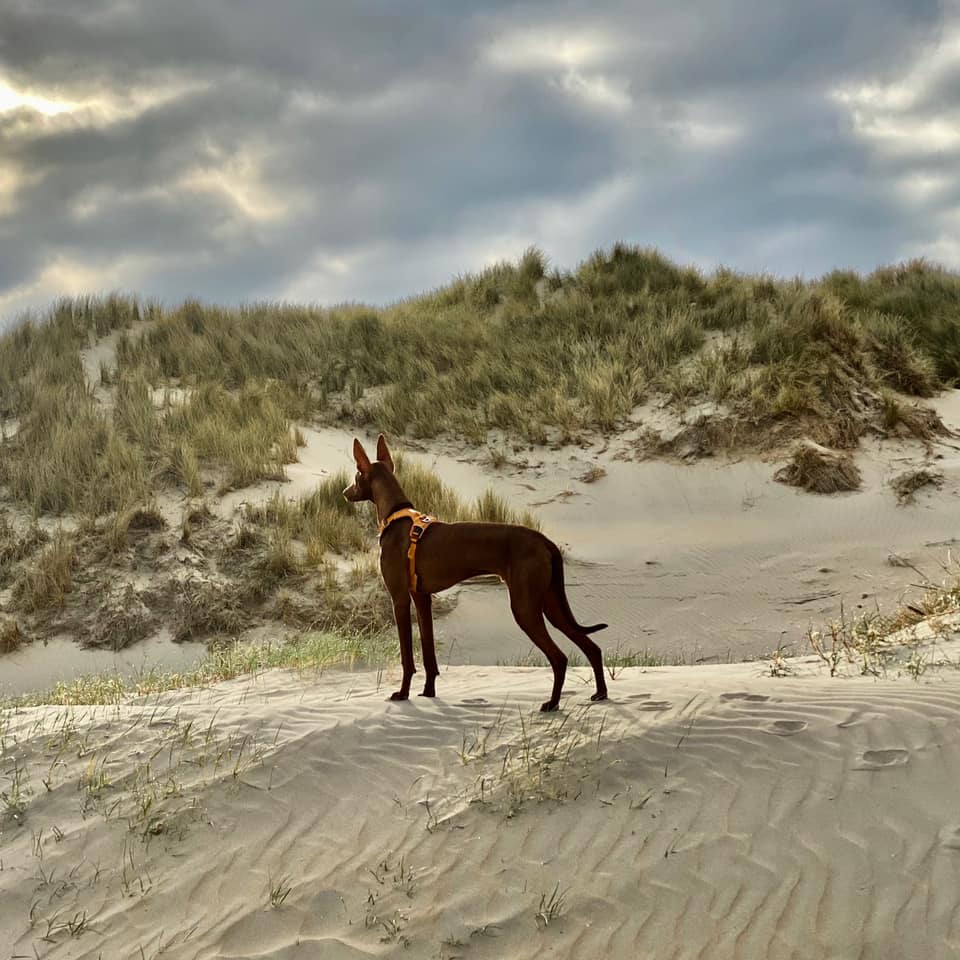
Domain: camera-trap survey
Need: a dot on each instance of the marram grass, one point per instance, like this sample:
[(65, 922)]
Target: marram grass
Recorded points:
[(305, 652), (533, 352)]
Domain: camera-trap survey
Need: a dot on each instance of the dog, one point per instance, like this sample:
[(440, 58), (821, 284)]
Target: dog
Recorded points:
[(420, 556)]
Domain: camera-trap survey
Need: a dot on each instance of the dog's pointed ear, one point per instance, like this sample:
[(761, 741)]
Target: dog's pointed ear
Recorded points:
[(360, 455), (383, 452)]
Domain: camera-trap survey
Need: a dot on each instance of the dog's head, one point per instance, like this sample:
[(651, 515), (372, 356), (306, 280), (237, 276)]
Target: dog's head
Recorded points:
[(362, 488)]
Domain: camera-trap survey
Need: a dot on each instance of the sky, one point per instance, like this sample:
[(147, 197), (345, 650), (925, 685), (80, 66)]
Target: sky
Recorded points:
[(322, 152)]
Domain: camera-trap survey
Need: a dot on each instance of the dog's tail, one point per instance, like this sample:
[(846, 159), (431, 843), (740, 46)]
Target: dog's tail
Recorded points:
[(556, 584)]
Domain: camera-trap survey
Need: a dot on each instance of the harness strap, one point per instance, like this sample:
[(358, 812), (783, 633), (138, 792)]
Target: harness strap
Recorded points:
[(417, 529)]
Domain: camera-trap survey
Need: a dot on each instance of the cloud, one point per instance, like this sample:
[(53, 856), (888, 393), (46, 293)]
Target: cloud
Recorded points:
[(327, 151)]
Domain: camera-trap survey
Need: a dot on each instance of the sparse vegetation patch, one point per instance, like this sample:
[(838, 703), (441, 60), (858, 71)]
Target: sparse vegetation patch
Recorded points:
[(818, 470), (905, 485)]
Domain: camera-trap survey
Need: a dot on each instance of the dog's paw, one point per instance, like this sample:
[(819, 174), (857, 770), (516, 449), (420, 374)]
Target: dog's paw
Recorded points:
[(399, 695), (549, 706), (597, 697)]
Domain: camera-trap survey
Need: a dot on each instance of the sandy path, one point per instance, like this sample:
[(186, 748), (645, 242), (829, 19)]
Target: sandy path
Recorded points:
[(703, 813)]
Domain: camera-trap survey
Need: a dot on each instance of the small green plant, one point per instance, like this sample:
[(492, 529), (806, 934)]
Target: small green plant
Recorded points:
[(833, 648), (891, 412), (95, 779), (393, 929), (78, 924), (279, 892), (619, 657), (551, 907), (15, 797), (779, 665), (917, 664)]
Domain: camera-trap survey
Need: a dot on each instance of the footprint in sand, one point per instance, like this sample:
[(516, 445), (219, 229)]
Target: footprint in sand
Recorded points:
[(787, 728), (473, 701), (882, 759), (656, 705), (751, 697), (950, 837), (639, 696)]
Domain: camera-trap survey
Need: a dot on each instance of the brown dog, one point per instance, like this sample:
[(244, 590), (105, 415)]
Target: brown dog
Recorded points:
[(529, 564)]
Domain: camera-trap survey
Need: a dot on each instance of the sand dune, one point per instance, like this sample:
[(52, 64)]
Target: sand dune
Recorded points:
[(702, 562), (712, 812)]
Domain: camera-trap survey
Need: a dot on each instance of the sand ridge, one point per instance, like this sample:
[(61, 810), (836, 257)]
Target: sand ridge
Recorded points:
[(711, 812)]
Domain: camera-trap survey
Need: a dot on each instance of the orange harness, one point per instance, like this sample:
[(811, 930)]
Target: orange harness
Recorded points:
[(417, 529)]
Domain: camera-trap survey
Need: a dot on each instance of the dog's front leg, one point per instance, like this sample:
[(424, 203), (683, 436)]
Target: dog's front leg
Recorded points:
[(401, 613), (424, 604)]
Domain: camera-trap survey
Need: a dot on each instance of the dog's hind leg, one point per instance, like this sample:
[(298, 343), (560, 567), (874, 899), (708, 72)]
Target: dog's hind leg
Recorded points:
[(424, 604), (401, 613), (556, 614), (531, 622)]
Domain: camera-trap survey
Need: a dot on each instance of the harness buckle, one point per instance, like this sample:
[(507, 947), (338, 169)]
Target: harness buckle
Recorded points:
[(419, 527)]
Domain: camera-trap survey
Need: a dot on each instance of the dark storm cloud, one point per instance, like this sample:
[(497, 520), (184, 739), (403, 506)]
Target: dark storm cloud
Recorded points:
[(365, 151), (746, 44), (349, 48)]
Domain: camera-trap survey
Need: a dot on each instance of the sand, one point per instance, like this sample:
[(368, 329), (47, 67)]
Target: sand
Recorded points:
[(696, 563), (710, 561), (701, 562), (703, 812), (714, 811)]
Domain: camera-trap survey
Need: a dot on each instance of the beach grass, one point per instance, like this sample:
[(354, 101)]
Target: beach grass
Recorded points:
[(305, 652), (533, 352)]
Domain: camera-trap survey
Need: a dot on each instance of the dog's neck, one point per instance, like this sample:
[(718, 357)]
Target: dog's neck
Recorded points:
[(388, 496)]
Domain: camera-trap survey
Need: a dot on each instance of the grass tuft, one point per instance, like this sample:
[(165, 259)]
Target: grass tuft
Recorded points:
[(819, 470), (46, 581), (11, 637), (905, 485)]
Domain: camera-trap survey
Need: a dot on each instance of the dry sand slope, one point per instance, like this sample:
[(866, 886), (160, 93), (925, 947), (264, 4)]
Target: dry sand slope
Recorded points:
[(712, 813)]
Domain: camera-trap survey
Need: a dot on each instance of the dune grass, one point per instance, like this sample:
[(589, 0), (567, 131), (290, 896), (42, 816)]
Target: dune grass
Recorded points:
[(906, 484), (49, 578), (819, 470), (518, 348), (306, 652), (11, 637), (876, 643), (16, 546), (521, 349), (431, 495), (324, 522), (201, 399)]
